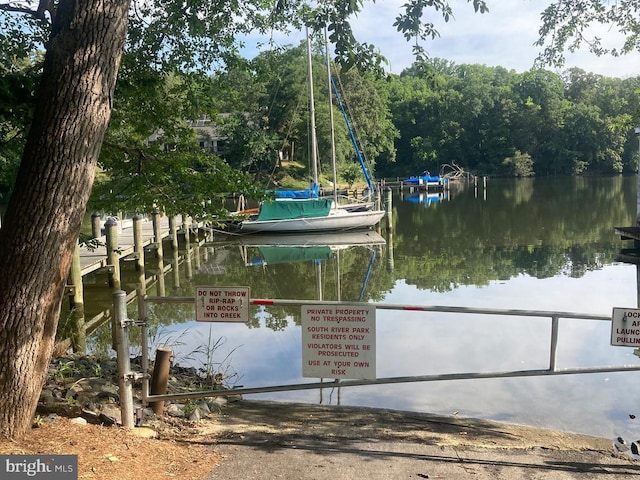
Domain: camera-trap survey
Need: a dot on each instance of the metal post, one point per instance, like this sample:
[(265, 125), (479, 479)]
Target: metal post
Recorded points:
[(124, 367), (555, 321), (144, 340), (637, 132), (113, 260)]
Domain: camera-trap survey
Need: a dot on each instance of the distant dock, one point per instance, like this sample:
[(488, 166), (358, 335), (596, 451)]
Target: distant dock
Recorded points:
[(629, 255)]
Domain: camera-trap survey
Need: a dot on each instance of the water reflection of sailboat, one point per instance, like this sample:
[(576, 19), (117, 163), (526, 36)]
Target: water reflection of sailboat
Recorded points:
[(265, 250), (302, 248)]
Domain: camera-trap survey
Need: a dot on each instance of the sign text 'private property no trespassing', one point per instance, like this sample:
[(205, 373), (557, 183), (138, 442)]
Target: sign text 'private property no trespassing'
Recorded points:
[(339, 341)]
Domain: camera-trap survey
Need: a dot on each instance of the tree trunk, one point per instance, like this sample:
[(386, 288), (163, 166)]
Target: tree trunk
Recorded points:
[(45, 212)]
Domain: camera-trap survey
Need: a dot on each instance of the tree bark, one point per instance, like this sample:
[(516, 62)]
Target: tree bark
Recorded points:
[(45, 212)]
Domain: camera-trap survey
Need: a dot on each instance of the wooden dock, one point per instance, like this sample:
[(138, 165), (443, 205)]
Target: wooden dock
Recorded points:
[(96, 257), (629, 255), (628, 233)]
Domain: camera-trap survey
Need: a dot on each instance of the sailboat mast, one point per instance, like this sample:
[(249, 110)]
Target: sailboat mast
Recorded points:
[(333, 133), (312, 115)]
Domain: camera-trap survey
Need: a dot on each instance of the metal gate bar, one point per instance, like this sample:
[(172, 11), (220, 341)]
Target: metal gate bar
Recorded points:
[(390, 380), (551, 371)]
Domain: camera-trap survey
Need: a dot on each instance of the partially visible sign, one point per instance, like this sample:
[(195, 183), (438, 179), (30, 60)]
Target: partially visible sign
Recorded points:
[(339, 341), (625, 327), (222, 304)]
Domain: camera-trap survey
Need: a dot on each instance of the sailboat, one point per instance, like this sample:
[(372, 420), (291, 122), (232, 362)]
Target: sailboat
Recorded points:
[(295, 214)]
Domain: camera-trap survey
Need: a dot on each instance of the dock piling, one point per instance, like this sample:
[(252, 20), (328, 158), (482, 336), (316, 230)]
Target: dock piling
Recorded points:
[(173, 232), (113, 257), (157, 234), (138, 247), (96, 230)]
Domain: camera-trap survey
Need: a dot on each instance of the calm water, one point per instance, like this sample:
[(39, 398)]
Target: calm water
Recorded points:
[(544, 244)]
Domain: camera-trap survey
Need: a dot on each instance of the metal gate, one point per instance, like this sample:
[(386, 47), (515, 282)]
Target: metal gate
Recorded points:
[(127, 377)]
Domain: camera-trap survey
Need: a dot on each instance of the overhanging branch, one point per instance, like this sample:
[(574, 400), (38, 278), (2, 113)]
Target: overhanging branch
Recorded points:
[(44, 6)]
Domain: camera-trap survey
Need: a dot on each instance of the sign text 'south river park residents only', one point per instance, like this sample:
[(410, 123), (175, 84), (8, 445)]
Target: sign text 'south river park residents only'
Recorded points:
[(339, 341)]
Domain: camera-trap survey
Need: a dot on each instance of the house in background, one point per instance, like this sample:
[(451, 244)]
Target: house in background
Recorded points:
[(208, 136)]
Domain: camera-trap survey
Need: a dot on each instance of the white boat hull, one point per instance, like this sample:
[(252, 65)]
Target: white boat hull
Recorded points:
[(337, 220)]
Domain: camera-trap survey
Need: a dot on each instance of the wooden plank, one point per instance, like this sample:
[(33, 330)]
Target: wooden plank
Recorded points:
[(628, 233)]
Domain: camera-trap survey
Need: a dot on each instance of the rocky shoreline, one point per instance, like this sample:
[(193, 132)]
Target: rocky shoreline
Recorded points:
[(85, 388)]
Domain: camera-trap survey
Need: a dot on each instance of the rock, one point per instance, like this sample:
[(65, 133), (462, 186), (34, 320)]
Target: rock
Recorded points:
[(195, 415), (84, 386), (47, 396), (204, 408), (78, 421), (148, 413), (174, 410), (110, 415), (51, 418), (217, 403), (144, 432), (63, 409)]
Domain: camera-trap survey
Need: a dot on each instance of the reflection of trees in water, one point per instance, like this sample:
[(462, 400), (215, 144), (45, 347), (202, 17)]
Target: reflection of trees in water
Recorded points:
[(536, 227), (522, 191)]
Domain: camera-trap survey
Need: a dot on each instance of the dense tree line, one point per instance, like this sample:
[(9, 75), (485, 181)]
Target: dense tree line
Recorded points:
[(497, 122), (487, 120)]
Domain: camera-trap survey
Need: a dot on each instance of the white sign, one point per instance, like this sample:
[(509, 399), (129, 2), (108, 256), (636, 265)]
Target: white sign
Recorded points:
[(339, 341), (625, 327), (222, 304)]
